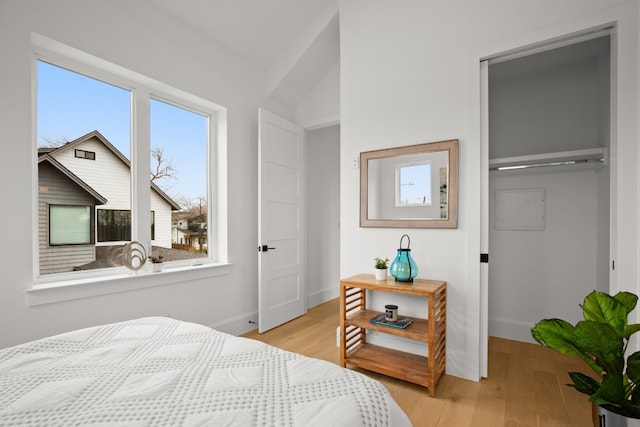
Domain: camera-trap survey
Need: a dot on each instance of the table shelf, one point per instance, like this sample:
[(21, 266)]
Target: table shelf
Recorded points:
[(355, 322), (418, 330)]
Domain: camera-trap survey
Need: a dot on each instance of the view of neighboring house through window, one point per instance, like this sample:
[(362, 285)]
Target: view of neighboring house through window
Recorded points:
[(84, 128), (179, 168)]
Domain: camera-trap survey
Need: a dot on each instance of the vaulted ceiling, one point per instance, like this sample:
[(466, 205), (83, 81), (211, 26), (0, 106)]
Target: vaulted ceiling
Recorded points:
[(296, 42)]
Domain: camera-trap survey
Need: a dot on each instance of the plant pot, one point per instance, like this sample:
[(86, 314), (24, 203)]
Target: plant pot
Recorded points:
[(607, 418), (156, 267), (381, 273)]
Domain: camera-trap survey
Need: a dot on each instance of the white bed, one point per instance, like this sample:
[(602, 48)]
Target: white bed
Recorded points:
[(158, 371)]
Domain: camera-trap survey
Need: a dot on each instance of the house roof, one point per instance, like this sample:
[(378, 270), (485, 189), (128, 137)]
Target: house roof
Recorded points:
[(97, 135), (101, 200)]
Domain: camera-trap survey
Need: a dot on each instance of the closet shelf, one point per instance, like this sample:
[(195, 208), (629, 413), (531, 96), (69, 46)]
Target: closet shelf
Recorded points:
[(597, 156)]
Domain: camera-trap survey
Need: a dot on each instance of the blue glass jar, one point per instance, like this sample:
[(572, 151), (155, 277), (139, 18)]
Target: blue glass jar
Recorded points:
[(403, 267)]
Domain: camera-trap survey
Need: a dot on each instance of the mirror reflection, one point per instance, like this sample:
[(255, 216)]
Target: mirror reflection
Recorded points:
[(410, 186)]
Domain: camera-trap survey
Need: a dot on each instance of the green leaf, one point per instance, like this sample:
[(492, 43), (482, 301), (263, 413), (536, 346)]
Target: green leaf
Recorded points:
[(635, 397), (602, 342), (548, 328), (633, 367), (627, 299), (559, 335), (611, 391), (584, 383), (602, 307), (631, 329)]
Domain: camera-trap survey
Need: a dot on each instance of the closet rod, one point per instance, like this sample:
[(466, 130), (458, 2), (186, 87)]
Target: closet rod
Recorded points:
[(574, 157), (547, 164)]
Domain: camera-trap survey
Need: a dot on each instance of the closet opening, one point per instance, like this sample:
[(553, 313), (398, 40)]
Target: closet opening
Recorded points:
[(549, 183)]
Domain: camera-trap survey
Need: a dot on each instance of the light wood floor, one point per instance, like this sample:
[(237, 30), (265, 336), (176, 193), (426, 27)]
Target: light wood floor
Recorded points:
[(525, 387)]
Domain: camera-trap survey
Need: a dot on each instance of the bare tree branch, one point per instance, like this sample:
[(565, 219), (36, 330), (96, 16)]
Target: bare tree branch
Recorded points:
[(164, 168), (54, 143)]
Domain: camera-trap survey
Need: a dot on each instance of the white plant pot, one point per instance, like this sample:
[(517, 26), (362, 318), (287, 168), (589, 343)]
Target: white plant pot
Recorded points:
[(156, 267), (381, 274), (609, 419)]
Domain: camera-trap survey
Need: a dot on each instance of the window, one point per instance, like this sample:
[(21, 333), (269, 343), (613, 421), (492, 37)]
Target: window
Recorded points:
[(69, 225), (179, 167), (413, 184), (82, 154), (85, 112), (115, 226)]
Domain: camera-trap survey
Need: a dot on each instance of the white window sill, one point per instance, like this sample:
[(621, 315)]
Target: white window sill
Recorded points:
[(47, 293)]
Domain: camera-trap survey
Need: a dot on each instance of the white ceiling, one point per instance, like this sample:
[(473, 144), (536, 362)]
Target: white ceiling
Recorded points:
[(295, 41)]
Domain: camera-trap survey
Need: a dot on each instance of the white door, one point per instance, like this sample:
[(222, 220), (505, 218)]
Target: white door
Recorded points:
[(281, 286), (484, 219)]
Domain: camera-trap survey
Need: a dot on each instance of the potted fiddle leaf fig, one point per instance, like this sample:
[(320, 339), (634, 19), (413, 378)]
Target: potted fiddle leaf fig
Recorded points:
[(601, 340)]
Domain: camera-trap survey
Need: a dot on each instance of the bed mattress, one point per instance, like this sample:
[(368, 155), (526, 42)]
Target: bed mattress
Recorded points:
[(159, 371)]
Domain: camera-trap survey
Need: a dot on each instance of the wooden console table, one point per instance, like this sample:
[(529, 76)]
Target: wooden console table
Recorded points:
[(354, 322)]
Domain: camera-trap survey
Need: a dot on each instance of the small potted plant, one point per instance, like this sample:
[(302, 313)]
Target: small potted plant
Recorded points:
[(156, 263), (381, 268), (601, 340)]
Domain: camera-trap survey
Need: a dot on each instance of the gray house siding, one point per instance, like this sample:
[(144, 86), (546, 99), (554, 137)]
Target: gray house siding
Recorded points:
[(57, 189)]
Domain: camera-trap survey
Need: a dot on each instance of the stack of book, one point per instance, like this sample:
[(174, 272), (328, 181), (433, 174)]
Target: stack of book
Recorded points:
[(401, 323)]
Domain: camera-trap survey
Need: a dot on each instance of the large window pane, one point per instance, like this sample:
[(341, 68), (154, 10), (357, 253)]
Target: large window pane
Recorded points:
[(83, 128), (179, 168)]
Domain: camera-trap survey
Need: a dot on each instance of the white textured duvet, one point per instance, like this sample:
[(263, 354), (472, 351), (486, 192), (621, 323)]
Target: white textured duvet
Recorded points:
[(162, 372)]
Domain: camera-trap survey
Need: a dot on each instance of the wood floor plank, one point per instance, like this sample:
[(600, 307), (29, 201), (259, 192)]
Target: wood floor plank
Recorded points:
[(520, 408), (548, 399), (461, 403), (526, 384)]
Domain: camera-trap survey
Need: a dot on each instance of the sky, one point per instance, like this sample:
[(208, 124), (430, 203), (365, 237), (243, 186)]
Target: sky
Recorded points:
[(415, 184), (71, 105)]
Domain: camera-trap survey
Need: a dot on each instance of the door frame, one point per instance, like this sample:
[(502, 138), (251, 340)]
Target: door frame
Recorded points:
[(624, 93)]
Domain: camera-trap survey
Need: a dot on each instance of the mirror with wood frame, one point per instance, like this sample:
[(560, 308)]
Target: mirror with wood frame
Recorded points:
[(415, 186)]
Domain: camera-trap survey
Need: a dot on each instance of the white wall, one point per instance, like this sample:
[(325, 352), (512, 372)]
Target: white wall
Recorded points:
[(538, 274), (410, 74), (322, 105), (546, 111), (323, 214), (133, 36)]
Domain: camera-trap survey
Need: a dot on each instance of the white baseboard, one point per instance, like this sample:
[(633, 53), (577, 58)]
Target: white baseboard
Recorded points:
[(238, 325), (511, 329), (322, 296)]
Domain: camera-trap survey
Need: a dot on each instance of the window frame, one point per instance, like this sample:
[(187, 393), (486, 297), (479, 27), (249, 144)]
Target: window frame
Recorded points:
[(142, 90)]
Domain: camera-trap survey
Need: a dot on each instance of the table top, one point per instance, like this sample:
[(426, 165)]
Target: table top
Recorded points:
[(423, 287)]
